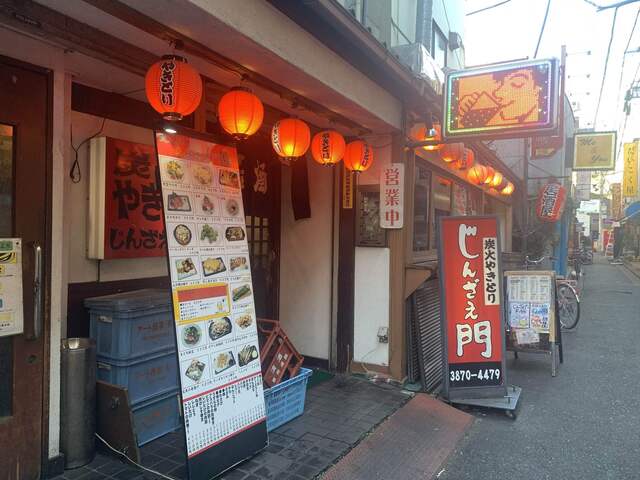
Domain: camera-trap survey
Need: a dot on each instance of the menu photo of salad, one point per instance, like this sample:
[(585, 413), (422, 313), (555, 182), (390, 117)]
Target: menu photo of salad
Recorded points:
[(209, 234), (173, 170)]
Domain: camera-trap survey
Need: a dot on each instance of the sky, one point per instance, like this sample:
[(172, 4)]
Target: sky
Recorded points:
[(510, 32)]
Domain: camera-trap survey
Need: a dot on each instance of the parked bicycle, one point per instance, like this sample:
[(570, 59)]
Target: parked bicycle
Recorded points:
[(566, 296)]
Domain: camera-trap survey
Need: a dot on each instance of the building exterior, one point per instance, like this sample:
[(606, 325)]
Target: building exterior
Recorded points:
[(75, 70)]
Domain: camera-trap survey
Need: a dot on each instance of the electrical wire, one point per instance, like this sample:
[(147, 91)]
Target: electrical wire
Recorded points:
[(487, 8), (544, 24), (123, 455), (606, 64), (75, 173)]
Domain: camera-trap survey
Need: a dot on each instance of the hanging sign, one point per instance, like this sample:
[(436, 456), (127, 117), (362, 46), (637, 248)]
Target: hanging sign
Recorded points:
[(472, 306), (347, 189), (551, 201), (616, 201), (545, 147), (630, 174), (594, 151), (583, 185), (506, 100), (214, 311), (11, 315), (392, 196), (125, 205)]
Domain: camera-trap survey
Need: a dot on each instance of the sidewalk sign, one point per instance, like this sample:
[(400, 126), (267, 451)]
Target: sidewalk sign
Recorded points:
[(471, 309), (219, 361), (532, 323)]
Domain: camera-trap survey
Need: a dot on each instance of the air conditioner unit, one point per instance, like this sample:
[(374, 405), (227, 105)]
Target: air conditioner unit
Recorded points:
[(455, 40)]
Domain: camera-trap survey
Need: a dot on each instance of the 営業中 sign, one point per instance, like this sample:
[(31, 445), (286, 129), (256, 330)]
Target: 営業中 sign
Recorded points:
[(507, 100), (630, 174), (594, 151), (125, 202), (213, 302), (11, 313), (471, 305), (392, 196)]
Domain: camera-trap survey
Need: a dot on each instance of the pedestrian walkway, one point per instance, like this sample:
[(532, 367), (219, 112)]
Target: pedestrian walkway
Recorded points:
[(582, 424)]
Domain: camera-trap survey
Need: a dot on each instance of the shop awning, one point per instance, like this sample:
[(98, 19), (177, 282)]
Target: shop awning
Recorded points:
[(632, 212)]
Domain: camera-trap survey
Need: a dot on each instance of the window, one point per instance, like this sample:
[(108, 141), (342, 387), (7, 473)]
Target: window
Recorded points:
[(421, 206), (439, 46), (404, 15), (354, 7)]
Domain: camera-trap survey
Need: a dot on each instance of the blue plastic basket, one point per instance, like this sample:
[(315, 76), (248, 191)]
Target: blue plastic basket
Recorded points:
[(285, 401), (156, 416)]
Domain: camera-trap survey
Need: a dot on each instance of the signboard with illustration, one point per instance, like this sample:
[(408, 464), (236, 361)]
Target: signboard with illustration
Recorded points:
[(214, 310), (125, 202), (594, 151), (472, 305), (506, 100)]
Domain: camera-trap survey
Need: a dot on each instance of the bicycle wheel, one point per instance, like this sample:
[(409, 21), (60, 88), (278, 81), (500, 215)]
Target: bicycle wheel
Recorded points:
[(568, 306)]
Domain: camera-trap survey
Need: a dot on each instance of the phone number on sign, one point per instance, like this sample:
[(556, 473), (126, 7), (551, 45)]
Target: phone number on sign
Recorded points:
[(475, 377)]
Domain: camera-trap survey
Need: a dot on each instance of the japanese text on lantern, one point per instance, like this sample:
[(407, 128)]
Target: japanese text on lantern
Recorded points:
[(392, 196)]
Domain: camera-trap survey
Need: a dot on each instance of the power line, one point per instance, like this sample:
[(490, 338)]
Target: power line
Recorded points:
[(544, 24), (446, 16), (487, 8), (606, 64), (624, 57)]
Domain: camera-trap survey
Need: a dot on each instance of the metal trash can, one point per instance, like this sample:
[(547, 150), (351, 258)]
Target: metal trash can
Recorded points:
[(78, 378)]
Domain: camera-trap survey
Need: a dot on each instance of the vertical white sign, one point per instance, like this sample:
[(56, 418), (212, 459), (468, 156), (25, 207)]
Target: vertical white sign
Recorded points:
[(219, 360), (491, 271), (11, 316), (392, 196)]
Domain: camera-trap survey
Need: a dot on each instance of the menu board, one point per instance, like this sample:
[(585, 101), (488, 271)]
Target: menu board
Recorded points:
[(11, 316), (214, 311), (530, 309)]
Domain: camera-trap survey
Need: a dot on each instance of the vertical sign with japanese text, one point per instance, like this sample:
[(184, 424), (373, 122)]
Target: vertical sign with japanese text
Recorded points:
[(347, 189), (472, 303), (213, 302), (616, 201), (630, 174), (392, 196)]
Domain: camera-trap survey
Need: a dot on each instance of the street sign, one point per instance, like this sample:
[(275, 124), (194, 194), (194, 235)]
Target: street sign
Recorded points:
[(506, 100), (594, 151), (630, 178), (471, 286)]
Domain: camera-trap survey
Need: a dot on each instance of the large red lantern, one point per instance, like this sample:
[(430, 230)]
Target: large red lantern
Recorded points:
[(173, 87), (358, 156), (497, 179), (240, 113), (508, 190), (467, 160), (452, 152), (551, 201), (290, 138), (490, 174), (477, 174), (327, 148)]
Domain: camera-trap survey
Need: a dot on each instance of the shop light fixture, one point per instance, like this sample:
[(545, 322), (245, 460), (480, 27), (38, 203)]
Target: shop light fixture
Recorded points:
[(290, 138), (240, 113), (173, 87), (358, 156), (170, 129), (328, 147)]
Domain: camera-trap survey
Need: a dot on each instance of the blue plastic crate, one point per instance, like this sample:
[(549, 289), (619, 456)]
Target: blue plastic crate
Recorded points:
[(132, 324), (144, 378), (285, 401), (156, 417)]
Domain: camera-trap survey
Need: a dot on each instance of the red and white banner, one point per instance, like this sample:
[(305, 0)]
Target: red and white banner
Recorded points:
[(392, 196), (551, 200), (471, 289)]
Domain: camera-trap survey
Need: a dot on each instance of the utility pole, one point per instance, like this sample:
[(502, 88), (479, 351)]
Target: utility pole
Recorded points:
[(525, 197)]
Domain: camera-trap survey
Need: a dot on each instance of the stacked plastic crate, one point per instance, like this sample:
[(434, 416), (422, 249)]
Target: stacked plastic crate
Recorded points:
[(135, 341)]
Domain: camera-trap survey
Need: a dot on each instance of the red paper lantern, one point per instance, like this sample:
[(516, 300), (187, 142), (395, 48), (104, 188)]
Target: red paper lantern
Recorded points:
[(358, 156), (497, 179), (508, 190), (290, 138), (452, 152), (240, 113), (477, 174), (467, 160), (490, 174), (327, 148), (173, 87), (551, 201)]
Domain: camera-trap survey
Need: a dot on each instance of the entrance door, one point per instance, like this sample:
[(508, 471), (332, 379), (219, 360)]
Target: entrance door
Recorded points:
[(23, 213)]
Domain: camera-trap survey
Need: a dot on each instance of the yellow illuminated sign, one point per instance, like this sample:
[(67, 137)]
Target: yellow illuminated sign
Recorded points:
[(594, 151), (503, 100), (630, 175)]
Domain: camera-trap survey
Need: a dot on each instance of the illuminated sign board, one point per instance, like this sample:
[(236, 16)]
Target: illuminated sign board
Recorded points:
[(508, 100), (594, 151)]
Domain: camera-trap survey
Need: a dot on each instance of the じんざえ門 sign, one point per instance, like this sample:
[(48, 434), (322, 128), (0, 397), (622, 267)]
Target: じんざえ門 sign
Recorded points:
[(472, 311)]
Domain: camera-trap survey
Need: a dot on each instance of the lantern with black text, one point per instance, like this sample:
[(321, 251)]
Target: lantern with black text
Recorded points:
[(240, 113), (290, 138), (327, 148), (358, 156), (551, 200), (508, 190), (466, 161), (452, 152), (477, 174), (173, 87)]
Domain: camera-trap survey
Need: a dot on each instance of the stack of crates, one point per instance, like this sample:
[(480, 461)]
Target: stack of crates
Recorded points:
[(135, 342)]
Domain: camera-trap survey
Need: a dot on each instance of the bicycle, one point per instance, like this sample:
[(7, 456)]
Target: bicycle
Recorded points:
[(566, 296)]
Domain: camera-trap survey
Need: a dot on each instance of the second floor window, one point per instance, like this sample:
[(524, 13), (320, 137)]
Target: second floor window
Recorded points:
[(439, 47), (403, 21)]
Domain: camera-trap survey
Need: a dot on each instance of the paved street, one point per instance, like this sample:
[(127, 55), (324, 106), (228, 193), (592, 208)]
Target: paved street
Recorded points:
[(583, 424)]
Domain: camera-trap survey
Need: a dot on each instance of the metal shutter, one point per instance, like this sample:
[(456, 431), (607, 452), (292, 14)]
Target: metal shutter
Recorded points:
[(428, 333)]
